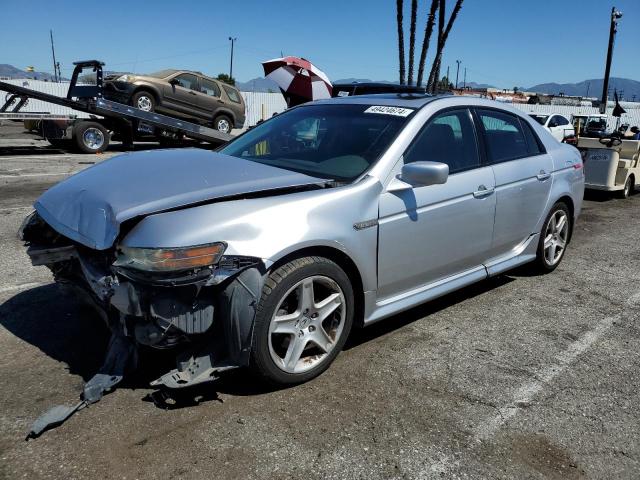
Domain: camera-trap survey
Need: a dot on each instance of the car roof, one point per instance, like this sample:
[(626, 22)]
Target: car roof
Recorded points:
[(413, 100), (419, 100)]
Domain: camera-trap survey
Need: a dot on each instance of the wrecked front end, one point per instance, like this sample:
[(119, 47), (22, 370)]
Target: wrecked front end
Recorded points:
[(194, 300)]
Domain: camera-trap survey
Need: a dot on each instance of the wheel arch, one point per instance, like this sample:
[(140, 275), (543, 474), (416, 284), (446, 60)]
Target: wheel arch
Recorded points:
[(343, 260), (226, 112)]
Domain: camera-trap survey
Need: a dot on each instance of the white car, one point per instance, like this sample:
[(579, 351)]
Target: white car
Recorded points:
[(559, 126)]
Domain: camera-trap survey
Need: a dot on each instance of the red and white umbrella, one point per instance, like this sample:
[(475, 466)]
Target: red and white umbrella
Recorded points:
[(299, 77)]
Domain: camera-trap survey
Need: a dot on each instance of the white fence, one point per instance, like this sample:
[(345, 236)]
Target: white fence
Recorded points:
[(632, 117), (260, 106)]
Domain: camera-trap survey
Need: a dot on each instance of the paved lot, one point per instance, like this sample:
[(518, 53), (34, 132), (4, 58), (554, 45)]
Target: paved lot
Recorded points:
[(516, 377)]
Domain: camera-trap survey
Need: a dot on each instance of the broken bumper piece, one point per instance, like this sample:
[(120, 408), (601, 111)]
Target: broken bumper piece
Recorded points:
[(205, 314)]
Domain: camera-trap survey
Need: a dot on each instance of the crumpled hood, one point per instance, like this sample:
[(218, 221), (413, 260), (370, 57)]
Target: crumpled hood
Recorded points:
[(90, 206)]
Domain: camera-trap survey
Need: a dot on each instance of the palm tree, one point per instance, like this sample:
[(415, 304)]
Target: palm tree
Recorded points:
[(412, 38), (442, 40), (431, 20), (399, 8)]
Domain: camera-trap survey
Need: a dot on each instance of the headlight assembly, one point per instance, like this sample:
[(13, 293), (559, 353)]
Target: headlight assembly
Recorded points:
[(169, 259), (124, 78)]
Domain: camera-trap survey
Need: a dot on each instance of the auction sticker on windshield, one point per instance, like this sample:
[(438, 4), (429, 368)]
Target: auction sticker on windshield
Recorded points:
[(385, 110)]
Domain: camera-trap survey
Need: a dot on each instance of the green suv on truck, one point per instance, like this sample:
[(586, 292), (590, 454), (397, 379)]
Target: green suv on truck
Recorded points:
[(180, 93)]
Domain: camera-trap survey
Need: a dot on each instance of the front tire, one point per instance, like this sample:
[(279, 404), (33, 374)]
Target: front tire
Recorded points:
[(302, 321), (144, 101), (554, 238)]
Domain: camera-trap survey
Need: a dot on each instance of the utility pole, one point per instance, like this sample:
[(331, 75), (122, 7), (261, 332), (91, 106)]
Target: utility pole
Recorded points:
[(588, 87), (458, 71), (233, 40), (615, 16), (464, 82), (53, 53), (448, 82)]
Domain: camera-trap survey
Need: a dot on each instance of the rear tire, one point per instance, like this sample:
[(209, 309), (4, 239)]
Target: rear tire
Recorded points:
[(223, 124), (303, 319), (91, 137), (554, 238), (629, 187)]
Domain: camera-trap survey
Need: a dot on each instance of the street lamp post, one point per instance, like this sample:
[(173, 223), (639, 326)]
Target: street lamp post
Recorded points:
[(458, 71), (615, 16), (233, 40)]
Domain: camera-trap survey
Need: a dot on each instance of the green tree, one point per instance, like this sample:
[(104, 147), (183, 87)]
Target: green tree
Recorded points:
[(443, 34), (223, 77), (431, 20)]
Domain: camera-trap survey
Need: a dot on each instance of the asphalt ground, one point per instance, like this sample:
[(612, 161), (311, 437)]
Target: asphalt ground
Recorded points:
[(518, 376)]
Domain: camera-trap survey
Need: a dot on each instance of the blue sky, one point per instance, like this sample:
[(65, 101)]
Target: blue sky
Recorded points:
[(505, 43)]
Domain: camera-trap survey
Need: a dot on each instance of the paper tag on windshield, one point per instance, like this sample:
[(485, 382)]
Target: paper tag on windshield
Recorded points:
[(385, 110)]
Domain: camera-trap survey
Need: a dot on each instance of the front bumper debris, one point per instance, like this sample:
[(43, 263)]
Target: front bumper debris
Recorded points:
[(205, 315), (121, 357)]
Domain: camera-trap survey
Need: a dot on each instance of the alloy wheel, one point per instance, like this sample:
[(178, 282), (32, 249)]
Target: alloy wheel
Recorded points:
[(556, 237), (93, 138), (307, 324), (144, 103), (223, 125)]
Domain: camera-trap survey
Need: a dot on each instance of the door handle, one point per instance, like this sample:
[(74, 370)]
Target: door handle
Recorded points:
[(542, 176), (483, 192), (191, 92)]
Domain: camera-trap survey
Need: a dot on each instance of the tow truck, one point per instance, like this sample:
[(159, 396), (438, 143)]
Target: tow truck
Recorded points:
[(107, 118)]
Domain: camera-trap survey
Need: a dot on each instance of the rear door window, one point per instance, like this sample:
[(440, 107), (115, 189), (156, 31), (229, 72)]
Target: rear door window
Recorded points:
[(209, 87), (504, 136)]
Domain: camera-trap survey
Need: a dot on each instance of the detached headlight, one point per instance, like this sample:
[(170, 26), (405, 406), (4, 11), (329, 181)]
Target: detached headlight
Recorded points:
[(169, 259), (124, 78)]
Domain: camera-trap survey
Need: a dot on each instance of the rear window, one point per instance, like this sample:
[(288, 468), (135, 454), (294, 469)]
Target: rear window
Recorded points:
[(504, 136), (233, 94)]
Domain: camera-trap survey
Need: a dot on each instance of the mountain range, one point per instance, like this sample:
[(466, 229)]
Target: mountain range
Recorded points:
[(10, 71), (629, 89), (591, 88)]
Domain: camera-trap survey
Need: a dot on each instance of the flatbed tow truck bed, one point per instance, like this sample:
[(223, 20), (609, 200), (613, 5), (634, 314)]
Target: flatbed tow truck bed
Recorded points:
[(124, 120)]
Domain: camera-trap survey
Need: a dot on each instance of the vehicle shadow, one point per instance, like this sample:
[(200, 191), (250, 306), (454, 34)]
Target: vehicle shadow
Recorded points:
[(55, 322), (599, 196)]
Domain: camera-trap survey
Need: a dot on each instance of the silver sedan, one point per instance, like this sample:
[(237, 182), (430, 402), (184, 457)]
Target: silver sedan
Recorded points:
[(333, 214)]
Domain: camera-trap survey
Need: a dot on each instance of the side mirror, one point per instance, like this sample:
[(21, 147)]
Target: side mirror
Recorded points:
[(174, 82), (422, 174)]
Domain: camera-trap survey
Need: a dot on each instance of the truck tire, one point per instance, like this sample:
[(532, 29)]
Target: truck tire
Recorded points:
[(144, 100), (90, 137)]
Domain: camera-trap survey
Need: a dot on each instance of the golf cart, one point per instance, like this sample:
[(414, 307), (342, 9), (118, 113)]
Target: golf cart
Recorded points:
[(611, 164)]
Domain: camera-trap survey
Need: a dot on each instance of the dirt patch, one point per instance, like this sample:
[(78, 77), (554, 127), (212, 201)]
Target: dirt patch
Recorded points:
[(551, 460)]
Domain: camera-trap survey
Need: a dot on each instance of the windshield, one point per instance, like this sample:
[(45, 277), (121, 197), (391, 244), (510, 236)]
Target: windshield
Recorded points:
[(540, 118), (339, 142), (161, 73)]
